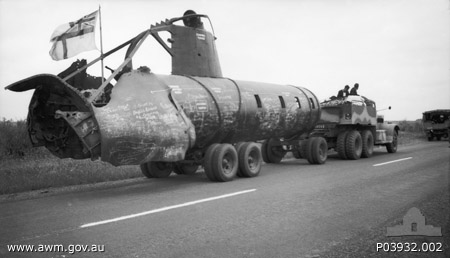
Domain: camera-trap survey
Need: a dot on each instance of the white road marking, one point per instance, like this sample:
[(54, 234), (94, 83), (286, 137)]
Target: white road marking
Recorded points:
[(164, 209), (397, 160)]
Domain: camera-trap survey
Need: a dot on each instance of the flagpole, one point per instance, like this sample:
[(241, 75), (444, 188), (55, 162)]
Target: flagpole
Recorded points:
[(101, 42)]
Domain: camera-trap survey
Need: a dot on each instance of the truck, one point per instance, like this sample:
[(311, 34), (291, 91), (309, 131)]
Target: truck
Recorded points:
[(436, 123), (348, 125), (352, 127), (193, 117)]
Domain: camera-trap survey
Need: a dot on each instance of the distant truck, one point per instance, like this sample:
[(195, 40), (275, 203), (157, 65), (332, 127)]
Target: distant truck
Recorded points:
[(436, 123), (352, 128)]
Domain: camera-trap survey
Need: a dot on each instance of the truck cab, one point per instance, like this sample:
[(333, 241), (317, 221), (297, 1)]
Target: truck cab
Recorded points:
[(436, 123)]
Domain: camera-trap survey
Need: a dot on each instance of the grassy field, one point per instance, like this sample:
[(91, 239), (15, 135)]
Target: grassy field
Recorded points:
[(33, 172), (23, 168)]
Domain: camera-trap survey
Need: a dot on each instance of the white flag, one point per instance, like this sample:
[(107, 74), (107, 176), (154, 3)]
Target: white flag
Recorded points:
[(72, 38)]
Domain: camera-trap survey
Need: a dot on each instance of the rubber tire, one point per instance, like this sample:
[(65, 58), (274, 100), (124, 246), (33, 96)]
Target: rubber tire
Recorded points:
[(144, 170), (340, 145), (185, 169), (226, 163), (301, 149), (367, 144), (208, 161), (238, 147), (157, 169), (392, 147), (319, 150), (307, 150), (264, 152), (353, 145), (274, 156), (250, 160), (297, 151)]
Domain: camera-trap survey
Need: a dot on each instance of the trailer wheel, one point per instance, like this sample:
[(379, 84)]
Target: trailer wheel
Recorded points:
[(208, 161), (185, 169), (250, 160), (156, 169), (307, 150), (225, 163), (238, 147), (145, 171), (353, 145), (302, 149), (274, 153), (392, 146), (367, 144), (319, 150), (340, 145), (264, 152)]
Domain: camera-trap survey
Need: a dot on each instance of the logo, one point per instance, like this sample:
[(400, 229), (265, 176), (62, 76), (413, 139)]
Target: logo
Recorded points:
[(413, 225)]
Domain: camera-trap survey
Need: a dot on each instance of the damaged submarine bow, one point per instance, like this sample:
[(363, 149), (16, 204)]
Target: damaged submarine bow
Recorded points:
[(166, 123)]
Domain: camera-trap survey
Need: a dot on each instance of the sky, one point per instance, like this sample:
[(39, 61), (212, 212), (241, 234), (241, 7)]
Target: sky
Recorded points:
[(397, 50)]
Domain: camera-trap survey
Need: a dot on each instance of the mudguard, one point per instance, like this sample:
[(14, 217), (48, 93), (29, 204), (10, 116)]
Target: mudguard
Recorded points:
[(391, 129)]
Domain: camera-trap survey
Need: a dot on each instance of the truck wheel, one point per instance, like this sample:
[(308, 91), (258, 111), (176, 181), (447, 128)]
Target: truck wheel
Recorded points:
[(340, 145), (250, 159), (185, 169), (430, 138), (274, 154), (156, 169), (208, 161), (367, 144), (225, 163), (392, 146), (353, 145), (319, 150), (438, 138)]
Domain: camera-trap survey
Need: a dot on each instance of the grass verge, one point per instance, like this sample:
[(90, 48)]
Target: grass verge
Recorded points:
[(33, 172)]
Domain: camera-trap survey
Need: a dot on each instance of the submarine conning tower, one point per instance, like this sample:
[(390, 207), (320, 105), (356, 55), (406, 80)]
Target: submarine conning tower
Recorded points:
[(192, 48)]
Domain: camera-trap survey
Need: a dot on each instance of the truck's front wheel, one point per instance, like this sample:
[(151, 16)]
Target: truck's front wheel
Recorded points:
[(392, 146)]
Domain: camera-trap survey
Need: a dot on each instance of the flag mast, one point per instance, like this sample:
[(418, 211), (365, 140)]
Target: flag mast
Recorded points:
[(101, 42)]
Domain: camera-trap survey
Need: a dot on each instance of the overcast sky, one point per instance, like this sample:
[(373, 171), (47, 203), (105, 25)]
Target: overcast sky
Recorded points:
[(397, 50)]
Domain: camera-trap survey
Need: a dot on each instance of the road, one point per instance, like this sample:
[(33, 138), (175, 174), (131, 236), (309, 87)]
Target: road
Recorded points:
[(292, 209)]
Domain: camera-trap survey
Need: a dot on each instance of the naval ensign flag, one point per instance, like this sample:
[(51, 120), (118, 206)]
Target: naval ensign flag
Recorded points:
[(72, 38)]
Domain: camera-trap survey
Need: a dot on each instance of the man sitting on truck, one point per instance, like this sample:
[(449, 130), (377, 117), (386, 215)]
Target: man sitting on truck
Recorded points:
[(344, 92), (354, 90)]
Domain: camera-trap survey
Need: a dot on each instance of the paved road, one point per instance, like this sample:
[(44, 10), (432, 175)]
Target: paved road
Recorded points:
[(293, 209)]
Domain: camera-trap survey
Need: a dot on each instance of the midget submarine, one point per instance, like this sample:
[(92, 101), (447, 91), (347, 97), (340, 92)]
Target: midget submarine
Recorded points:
[(170, 123)]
